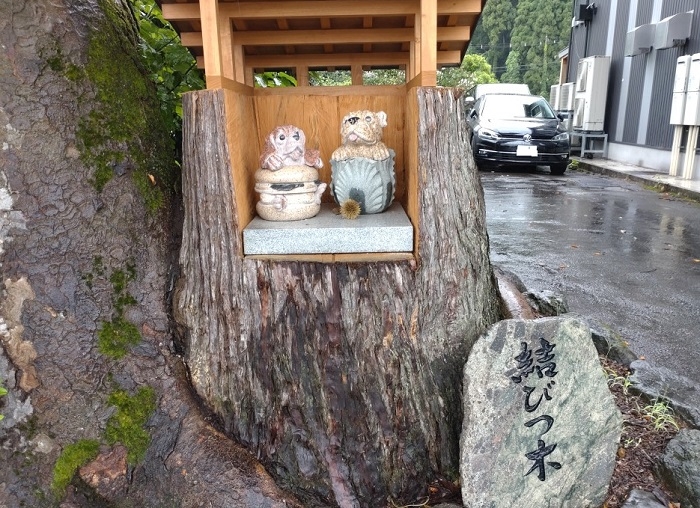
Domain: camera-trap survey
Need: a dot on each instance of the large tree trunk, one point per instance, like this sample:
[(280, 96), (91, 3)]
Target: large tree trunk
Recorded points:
[(345, 378), (63, 70)]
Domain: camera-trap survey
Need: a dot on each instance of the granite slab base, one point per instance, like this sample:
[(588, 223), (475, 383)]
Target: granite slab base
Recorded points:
[(328, 233)]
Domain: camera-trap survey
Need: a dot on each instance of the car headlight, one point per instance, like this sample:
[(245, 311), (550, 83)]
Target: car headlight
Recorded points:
[(489, 134), (562, 136)]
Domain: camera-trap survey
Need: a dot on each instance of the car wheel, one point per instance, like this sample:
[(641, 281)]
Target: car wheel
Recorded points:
[(557, 169)]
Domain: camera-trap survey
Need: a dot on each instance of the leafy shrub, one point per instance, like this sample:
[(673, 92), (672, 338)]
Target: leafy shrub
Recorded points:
[(170, 65)]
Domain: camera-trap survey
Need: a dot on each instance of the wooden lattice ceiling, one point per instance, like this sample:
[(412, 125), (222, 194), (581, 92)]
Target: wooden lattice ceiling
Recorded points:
[(302, 35)]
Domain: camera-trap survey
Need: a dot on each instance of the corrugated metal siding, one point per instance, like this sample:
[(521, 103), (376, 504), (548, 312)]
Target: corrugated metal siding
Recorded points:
[(617, 62), (597, 39), (597, 43), (635, 84), (578, 43), (659, 132), (634, 98), (645, 8), (597, 32)]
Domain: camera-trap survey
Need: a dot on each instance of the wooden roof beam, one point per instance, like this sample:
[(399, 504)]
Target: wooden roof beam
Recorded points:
[(344, 59), (429, 41), (210, 25), (451, 21), (367, 23), (333, 36), (312, 9), (283, 25), (326, 25), (341, 60)]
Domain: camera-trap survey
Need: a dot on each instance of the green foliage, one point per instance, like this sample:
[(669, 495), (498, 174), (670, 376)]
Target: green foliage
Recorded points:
[(541, 30), (521, 40), (3, 392), (344, 78), (473, 71), (126, 425), (631, 442), (330, 78), (171, 66), (72, 457), (127, 126), (274, 79), (624, 382), (661, 415), (512, 73), (492, 34), (384, 77)]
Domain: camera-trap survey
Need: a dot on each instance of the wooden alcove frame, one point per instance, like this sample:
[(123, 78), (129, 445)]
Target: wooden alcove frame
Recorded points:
[(234, 39)]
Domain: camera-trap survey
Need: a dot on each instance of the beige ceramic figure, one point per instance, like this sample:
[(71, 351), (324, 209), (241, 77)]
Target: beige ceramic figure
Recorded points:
[(285, 146), (287, 180), (361, 136), (362, 167)]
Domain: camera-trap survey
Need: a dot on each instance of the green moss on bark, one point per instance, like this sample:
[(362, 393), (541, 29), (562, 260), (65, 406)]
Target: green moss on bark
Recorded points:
[(126, 426), (116, 337), (72, 457), (126, 128)]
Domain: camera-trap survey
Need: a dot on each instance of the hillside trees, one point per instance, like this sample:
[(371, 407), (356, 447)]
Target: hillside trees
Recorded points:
[(541, 31), (492, 36), (522, 38)]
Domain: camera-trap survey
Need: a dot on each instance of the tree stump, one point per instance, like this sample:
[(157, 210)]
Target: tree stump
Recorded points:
[(343, 378)]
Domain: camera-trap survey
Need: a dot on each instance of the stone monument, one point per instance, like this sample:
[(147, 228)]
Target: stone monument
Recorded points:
[(540, 426)]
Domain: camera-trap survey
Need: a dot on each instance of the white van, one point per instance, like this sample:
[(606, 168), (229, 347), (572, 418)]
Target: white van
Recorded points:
[(483, 89)]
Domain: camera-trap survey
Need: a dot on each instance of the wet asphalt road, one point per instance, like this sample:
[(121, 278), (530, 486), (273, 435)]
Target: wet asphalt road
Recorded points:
[(622, 256)]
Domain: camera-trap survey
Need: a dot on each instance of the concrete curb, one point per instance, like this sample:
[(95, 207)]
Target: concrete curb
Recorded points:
[(640, 175)]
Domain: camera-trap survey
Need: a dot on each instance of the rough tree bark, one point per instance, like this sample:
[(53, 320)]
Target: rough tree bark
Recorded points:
[(60, 241), (344, 378)]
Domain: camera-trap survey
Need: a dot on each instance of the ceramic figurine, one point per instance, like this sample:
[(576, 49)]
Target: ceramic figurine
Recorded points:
[(287, 180), (284, 146), (362, 168)]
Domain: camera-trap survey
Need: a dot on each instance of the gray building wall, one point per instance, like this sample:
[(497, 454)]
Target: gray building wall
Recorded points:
[(616, 46), (641, 86)]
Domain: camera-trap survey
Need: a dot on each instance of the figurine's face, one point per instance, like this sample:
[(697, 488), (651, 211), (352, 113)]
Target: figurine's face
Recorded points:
[(362, 127), (288, 141)]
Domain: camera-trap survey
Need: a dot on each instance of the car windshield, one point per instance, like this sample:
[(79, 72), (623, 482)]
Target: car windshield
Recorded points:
[(516, 106)]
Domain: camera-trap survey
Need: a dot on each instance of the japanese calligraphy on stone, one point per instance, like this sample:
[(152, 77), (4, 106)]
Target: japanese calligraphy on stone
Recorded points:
[(535, 373)]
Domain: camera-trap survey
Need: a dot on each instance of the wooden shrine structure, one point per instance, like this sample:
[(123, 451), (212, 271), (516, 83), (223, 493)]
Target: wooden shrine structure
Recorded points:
[(340, 371), (233, 39)]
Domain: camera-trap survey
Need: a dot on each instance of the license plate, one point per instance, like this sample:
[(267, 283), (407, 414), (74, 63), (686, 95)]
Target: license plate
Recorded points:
[(526, 151)]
